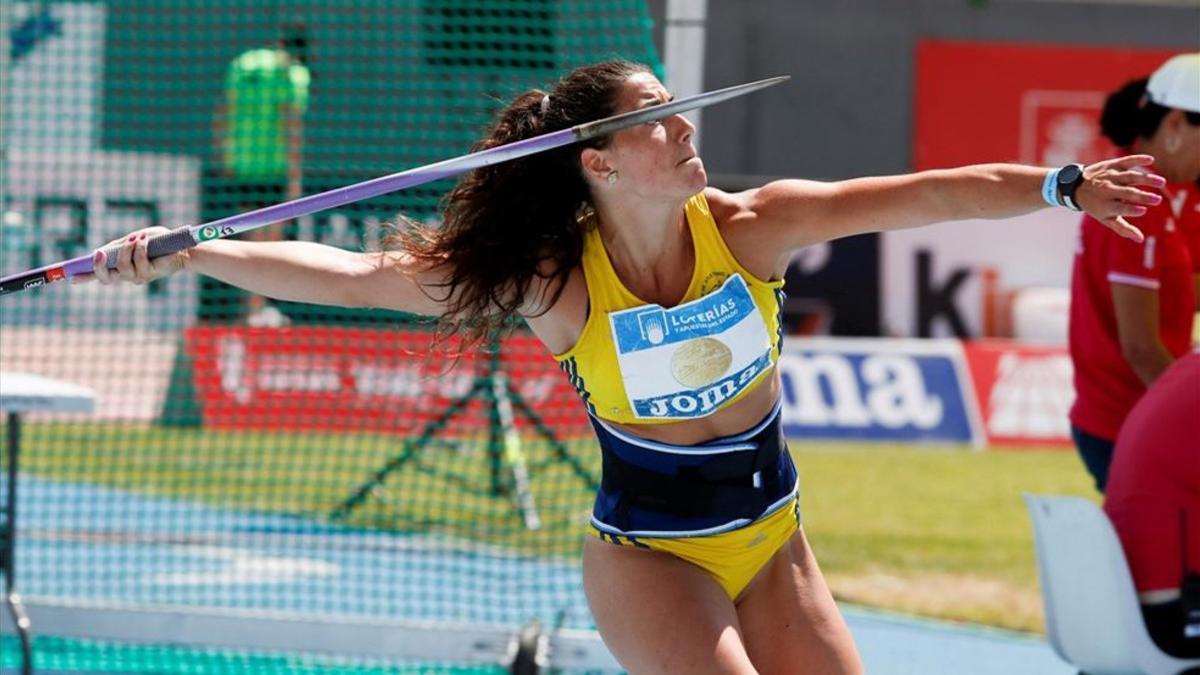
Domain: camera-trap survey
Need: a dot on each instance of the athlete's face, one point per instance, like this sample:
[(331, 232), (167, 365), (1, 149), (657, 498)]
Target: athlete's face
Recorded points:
[(652, 159)]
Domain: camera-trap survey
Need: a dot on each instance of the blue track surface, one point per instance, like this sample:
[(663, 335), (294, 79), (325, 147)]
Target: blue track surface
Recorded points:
[(97, 543)]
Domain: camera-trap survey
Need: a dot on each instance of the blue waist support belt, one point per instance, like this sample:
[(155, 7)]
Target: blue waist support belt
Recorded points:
[(658, 489)]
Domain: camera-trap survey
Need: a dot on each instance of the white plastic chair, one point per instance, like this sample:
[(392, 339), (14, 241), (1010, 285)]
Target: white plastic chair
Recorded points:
[(1093, 619)]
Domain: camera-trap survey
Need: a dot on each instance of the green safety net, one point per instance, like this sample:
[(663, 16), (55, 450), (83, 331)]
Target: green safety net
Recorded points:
[(252, 456)]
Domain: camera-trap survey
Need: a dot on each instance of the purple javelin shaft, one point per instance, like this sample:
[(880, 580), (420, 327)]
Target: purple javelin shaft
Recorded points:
[(390, 183), (187, 236), (329, 199), (243, 222)]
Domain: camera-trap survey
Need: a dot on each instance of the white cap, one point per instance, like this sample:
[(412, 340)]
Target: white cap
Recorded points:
[(1176, 83)]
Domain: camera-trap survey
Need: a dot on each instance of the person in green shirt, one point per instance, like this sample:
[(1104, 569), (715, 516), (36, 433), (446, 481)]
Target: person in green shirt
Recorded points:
[(259, 135)]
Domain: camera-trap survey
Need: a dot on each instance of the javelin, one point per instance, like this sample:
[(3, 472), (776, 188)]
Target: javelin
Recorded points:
[(188, 236)]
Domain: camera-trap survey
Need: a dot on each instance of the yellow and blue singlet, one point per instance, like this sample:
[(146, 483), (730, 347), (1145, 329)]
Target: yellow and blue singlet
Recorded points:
[(726, 505)]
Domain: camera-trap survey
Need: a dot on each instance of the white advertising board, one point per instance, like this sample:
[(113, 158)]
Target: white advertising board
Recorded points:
[(932, 278)]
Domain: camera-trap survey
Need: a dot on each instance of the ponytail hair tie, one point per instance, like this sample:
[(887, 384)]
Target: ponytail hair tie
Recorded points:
[(545, 104)]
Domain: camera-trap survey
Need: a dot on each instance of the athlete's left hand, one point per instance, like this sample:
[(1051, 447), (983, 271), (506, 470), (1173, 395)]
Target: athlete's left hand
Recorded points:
[(1110, 192)]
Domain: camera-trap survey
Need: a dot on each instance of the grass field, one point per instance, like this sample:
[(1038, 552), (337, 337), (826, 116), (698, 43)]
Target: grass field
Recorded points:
[(934, 531)]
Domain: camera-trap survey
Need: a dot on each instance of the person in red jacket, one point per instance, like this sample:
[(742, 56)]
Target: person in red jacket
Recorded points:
[(1153, 501), (1132, 303)]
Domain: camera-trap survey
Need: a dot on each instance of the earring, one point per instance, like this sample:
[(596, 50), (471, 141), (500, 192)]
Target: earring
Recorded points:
[(612, 178), (1173, 144)]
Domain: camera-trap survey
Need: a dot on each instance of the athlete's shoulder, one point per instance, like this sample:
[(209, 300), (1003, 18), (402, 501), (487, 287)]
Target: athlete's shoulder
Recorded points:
[(730, 210), (723, 205)]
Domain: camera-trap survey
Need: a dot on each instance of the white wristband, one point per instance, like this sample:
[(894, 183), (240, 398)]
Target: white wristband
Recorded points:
[(1050, 188)]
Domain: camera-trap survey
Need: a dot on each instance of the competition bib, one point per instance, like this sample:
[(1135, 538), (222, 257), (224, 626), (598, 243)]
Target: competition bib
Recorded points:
[(684, 362)]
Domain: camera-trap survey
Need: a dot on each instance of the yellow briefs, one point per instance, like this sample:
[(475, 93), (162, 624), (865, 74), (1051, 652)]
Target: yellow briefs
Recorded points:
[(732, 558)]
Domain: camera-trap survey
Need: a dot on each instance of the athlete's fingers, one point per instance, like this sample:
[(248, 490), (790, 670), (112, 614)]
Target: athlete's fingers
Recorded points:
[(125, 269), (1132, 195), (143, 268), (1135, 177), (99, 271), (1107, 187), (1127, 162), (1128, 210), (1122, 227)]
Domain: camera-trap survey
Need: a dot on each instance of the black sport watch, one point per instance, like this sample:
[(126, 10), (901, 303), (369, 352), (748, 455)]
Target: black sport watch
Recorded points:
[(1069, 179)]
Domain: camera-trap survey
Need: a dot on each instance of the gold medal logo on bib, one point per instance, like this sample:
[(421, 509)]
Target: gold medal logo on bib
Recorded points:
[(701, 361)]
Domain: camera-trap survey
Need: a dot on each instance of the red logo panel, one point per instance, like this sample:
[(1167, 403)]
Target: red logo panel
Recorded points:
[(1038, 104), (371, 380), (1024, 391)]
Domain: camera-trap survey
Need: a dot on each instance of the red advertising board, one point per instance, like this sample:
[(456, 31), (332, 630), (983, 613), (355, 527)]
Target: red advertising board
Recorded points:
[(1024, 391), (368, 380), (387, 381), (1037, 104)]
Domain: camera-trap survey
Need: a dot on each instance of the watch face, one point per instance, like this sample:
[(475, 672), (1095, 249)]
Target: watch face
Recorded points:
[(1069, 174)]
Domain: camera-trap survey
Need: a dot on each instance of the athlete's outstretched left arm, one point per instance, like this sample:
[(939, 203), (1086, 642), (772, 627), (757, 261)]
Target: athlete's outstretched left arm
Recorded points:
[(796, 213)]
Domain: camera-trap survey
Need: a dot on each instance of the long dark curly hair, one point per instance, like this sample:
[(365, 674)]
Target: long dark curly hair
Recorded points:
[(507, 224)]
